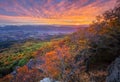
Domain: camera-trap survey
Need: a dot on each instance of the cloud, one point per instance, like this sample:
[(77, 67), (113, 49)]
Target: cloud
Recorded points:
[(57, 11)]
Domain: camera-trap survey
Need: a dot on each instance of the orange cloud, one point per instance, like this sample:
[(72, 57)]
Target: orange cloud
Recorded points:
[(63, 12)]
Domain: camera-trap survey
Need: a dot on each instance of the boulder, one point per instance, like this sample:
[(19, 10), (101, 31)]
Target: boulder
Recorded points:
[(48, 80), (114, 71)]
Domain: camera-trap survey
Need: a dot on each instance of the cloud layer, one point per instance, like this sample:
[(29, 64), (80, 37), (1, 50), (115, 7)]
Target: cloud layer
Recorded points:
[(63, 12)]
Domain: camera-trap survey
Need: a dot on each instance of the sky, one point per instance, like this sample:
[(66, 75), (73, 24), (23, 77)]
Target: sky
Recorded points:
[(52, 12)]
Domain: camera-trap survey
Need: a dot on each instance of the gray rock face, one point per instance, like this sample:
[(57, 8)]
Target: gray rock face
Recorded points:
[(114, 71), (31, 63), (34, 63), (48, 80)]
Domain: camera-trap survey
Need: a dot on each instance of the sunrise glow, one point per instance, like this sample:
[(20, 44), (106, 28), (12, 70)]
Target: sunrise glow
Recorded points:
[(49, 12)]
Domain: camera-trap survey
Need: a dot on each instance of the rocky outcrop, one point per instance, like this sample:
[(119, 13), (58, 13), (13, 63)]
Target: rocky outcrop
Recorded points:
[(114, 71), (48, 80), (31, 63)]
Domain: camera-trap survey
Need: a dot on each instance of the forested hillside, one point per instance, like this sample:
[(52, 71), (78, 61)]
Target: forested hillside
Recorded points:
[(83, 56)]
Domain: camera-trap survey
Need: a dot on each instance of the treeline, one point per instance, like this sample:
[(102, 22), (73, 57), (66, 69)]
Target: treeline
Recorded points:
[(105, 40)]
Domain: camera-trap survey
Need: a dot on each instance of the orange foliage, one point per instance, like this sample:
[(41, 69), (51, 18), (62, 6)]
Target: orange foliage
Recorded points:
[(56, 61), (7, 78), (24, 69), (51, 58), (27, 75)]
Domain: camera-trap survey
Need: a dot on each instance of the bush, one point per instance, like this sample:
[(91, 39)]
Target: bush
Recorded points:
[(22, 62)]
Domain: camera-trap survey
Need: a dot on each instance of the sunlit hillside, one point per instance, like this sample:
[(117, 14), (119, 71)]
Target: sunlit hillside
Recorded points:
[(88, 53)]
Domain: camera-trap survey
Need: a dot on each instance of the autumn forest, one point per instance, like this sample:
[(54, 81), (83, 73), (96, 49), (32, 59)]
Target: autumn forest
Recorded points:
[(90, 54)]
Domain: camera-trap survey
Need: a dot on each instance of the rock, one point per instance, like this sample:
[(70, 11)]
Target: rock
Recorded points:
[(114, 71), (40, 70), (31, 63), (34, 63), (48, 80), (14, 73)]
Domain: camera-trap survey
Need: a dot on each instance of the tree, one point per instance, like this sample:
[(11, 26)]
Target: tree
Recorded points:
[(105, 42), (56, 62), (23, 74)]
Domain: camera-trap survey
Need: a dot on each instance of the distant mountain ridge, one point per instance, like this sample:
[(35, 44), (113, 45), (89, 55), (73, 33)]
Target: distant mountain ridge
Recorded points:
[(22, 32)]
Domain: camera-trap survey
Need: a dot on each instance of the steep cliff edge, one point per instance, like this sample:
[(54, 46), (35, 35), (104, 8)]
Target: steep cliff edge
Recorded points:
[(114, 71)]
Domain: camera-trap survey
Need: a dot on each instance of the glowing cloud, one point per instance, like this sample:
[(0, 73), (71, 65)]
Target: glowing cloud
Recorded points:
[(63, 12)]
